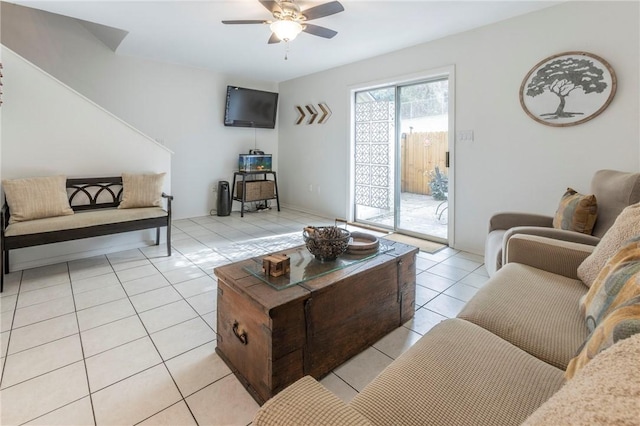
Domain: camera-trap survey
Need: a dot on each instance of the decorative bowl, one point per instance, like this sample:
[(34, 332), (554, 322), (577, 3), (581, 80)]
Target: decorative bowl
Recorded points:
[(326, 242), (362, 243)]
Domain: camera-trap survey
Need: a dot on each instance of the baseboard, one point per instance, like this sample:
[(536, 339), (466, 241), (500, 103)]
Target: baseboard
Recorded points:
[(49, 254)]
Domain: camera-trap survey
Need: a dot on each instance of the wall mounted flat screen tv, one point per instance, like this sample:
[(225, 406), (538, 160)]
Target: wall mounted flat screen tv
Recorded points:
[(250, 108)]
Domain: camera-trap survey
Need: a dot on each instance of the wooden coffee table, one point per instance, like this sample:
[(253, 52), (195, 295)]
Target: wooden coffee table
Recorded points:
[(271, 338)]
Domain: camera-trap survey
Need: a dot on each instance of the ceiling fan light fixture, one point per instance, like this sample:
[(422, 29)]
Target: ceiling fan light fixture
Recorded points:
[(286, 30)]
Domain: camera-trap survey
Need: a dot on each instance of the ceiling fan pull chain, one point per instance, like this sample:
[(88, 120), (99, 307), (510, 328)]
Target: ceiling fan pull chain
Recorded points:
[(286, 50)]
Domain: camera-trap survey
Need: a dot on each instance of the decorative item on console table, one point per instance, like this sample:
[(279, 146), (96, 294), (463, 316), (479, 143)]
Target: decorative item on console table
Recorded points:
[(276, 265), (254, 162), (326, 242)]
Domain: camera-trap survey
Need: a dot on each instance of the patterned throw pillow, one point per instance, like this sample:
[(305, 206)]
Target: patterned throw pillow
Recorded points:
[(576, 212), (618, 282), (141, 190), (626, 226), (621, 323), (36, 198)]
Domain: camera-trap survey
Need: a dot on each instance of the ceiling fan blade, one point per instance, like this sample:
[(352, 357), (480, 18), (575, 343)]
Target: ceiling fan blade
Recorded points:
[(273, 39), (246, 21), (319, 31), (323, 10), (271, 6)]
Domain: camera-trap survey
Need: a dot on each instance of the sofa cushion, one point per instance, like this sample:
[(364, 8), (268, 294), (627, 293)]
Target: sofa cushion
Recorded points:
[(82, 220), (604, 392), (576, 212), (458, 374), (35, 198), (141, 190), (618, 281), (619, 324), (292, 407), (535, 310), (626, 226)]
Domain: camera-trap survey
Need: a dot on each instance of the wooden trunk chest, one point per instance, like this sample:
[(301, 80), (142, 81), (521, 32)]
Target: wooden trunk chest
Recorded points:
[(271, 338)]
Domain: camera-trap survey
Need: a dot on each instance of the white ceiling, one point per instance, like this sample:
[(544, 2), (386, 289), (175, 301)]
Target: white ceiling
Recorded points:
[(190, 32)]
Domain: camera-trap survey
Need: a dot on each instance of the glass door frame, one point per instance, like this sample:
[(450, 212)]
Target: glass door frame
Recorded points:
[(447, 72)]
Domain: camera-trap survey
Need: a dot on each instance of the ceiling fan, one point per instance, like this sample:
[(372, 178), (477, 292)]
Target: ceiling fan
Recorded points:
[(289, 20)]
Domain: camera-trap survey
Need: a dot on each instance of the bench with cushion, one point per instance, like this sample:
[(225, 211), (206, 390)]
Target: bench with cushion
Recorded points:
[(54, 209)]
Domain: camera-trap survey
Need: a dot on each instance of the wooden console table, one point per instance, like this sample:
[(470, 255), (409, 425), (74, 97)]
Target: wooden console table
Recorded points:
[(256, 182), (271, 338)]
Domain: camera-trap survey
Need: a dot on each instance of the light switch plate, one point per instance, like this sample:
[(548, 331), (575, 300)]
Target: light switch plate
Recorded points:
[(465, 135)]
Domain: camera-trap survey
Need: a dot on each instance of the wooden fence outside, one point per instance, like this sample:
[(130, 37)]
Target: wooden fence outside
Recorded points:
[(420, 153)]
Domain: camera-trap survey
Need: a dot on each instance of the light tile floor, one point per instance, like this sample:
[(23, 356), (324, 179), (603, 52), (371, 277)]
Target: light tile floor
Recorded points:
[(129, 337)]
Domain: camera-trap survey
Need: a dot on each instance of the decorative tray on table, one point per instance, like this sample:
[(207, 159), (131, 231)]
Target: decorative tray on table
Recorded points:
[(362, 243)]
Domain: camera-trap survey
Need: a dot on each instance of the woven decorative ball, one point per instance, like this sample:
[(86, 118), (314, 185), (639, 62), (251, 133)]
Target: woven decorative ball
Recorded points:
[(326, 242)]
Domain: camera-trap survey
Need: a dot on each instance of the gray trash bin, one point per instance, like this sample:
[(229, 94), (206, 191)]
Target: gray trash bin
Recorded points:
[(223, 206)]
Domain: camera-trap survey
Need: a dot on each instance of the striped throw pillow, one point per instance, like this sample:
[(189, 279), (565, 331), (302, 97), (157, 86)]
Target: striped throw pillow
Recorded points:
[(576, 212), (617, 282), (36, 198), (141, 190), (621, 323)]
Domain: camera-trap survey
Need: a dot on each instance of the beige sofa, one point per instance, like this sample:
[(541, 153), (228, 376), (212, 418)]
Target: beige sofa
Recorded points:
[(501, 362), (614, 190)]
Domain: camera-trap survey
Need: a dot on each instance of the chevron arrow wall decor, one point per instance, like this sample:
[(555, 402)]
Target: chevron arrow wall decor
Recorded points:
[(301, 114), (326, 113), (313, 113)]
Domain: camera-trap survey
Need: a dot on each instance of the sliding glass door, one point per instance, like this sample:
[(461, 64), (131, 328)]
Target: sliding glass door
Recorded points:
[(374, 162), (401, 158)]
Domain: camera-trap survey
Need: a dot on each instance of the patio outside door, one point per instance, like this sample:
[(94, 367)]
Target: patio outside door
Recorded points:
[(401, 145)]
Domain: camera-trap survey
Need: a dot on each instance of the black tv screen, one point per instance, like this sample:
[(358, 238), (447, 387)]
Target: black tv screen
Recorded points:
[(250, 108)]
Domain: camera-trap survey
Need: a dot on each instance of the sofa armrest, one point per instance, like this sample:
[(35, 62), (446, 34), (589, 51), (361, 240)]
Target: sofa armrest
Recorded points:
[(556, 256), (507, 220), (556, 234), (307, 402)]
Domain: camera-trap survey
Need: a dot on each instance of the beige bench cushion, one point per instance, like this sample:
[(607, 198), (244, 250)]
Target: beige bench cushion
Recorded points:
[(83, 220), (533, 309), (459, 374)]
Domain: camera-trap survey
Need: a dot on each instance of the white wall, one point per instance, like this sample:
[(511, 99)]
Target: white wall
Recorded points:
[(514, 163), (49, 129), (182, 107)]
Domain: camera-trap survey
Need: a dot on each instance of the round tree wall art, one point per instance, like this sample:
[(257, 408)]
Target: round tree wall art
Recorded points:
[(568, 89)]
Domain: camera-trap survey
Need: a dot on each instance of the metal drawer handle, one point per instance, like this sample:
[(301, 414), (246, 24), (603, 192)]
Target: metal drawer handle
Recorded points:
[(241, 336)]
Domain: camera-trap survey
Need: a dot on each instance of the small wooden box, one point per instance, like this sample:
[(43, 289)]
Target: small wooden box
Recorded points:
[(276, 265)]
